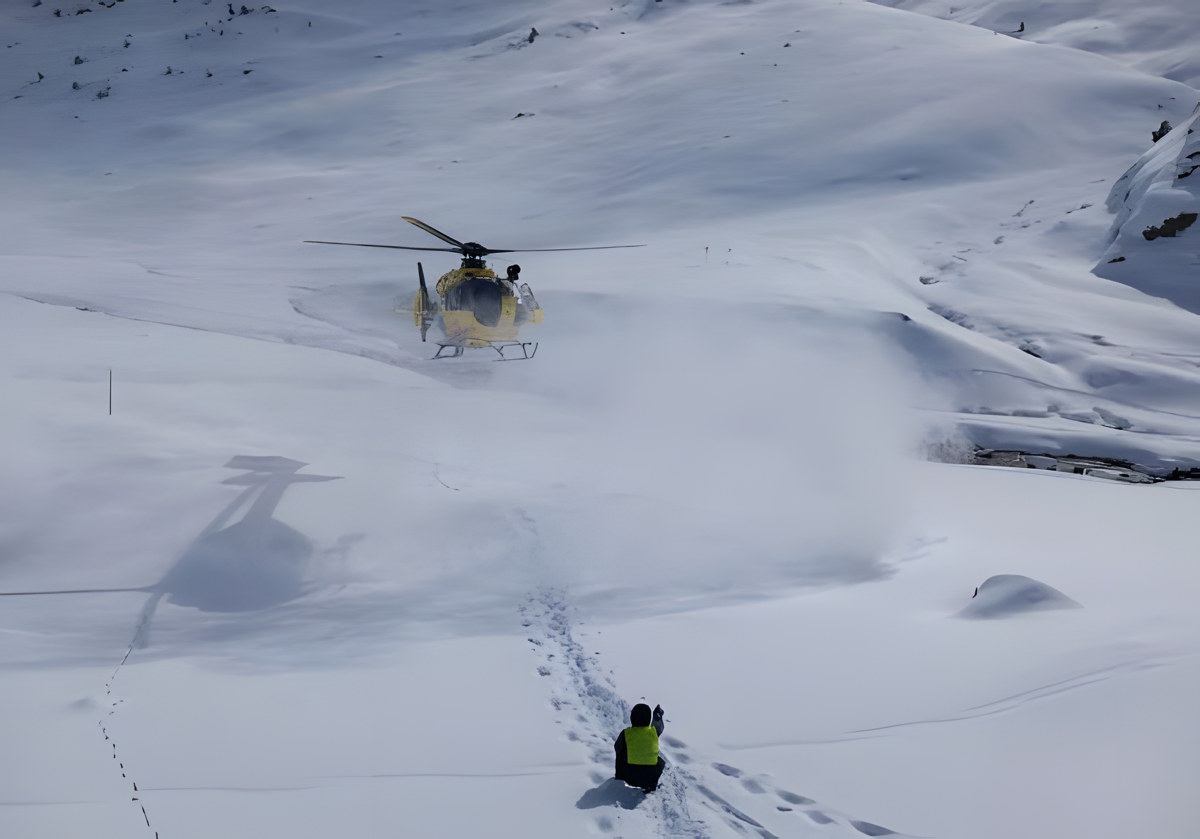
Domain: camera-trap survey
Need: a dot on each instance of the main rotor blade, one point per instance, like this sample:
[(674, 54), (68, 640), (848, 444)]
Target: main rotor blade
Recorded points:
[(429, 229), (366, 245), (539, 250)]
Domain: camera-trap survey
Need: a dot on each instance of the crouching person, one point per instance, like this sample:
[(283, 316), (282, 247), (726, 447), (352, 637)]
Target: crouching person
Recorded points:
[(638, 761)]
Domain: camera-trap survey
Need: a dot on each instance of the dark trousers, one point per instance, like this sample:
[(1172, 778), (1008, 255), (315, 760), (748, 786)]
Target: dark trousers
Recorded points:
[(637, 775)]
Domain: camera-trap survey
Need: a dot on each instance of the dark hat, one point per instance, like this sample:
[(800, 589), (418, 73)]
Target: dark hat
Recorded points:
[(640, 715)]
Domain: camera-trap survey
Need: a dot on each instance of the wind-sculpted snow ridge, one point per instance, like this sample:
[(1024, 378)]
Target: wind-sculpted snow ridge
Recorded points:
[(695, 799), (1155, 239), (1152, 37)]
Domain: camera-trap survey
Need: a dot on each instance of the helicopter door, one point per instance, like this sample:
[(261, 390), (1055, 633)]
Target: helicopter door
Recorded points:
[(480, 297), (528, 310)]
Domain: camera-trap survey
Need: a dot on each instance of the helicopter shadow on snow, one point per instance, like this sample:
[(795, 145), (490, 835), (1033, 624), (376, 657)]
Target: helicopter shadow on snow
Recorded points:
[(250, 565), (266, 587)]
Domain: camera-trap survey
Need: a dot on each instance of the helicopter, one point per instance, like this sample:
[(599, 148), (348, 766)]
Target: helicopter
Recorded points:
[(475, 308)]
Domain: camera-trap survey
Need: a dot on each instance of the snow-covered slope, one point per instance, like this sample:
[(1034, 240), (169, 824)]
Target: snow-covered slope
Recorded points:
[(686, 126), (304, 582), (1154, 38), (1155, 204)]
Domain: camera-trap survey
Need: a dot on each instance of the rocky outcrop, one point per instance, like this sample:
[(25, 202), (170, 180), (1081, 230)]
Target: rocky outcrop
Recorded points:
[(1155, 245)]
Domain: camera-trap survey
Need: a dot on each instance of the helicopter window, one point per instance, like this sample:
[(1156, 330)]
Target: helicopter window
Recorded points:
[(480, 297)]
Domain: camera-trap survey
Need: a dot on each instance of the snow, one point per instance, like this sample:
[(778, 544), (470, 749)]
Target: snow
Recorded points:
[(1005, 595), (1153, 202), (304, 582), (1151, 37)]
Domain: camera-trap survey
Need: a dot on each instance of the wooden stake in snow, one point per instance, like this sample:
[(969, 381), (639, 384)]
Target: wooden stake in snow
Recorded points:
[(110, 391)]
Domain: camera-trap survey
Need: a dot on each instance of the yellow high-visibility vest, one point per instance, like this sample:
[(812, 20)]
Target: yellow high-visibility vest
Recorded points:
[(641, 745)]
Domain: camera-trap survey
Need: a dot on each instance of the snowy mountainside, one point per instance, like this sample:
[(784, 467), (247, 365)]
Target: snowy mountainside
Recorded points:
[(667, 119), (1154, 38), (1154, 204), (303, 581)]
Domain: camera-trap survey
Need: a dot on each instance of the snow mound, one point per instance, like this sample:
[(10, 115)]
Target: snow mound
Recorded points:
[(1155, 240), (1005, 595)]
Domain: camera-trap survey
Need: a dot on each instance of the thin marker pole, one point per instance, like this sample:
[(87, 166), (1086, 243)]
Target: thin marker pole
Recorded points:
[(110, 391)]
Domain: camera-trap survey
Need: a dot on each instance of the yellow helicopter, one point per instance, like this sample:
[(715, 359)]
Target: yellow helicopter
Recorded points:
[(475, 308)]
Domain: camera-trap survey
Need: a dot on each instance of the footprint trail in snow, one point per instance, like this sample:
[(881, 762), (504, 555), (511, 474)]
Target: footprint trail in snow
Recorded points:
[(589, 708), (695, 799)]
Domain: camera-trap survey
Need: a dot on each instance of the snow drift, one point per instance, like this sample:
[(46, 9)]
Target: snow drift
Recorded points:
[(1006, 595)]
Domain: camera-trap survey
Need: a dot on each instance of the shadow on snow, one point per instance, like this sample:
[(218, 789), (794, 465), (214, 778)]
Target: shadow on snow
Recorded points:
[(611, 792)]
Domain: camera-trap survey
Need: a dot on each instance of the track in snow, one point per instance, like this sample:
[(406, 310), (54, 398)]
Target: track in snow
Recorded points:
[(592, 713), (695, 800)]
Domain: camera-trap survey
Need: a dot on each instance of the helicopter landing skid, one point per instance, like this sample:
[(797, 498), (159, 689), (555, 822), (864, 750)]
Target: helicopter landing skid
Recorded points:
[(455, 351), (528, 350)]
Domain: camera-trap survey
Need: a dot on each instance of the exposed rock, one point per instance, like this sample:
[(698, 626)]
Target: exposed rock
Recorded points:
[(1170, 227), (1156, 200), (1111, 469), (1188, 165)]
